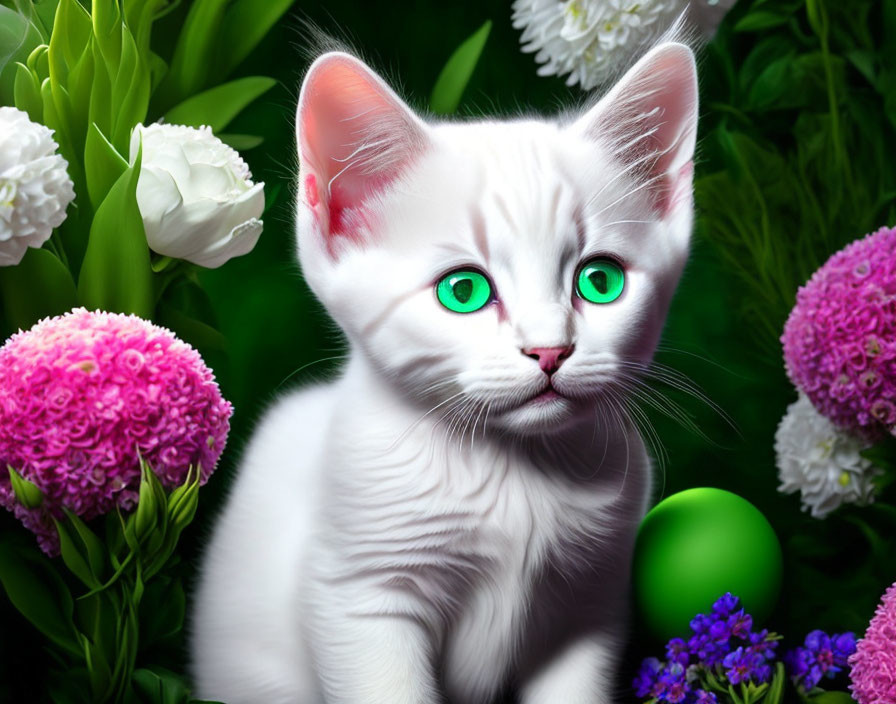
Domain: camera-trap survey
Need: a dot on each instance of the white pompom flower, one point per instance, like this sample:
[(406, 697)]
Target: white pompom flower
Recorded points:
[(821, 461), (195, 195), (35, 188), (590, 40)]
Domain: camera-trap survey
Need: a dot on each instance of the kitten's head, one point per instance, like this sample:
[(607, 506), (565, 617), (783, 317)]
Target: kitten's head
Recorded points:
[(517, 269)]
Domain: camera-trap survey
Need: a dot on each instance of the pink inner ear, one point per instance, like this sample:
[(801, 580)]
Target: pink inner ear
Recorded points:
[(355, 138)]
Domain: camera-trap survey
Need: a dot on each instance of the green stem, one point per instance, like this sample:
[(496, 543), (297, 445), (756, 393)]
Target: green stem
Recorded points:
[(818, 19)]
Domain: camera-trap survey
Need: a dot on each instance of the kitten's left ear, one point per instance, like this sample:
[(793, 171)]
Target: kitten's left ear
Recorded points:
[(649, 121)]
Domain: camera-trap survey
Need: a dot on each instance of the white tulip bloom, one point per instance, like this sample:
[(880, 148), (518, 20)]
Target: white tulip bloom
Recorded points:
[(196, 195), (35, 188), (821, 461)]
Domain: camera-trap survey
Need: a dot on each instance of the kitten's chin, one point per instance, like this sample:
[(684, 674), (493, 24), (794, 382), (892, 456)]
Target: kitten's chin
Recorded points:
[(549, 413)]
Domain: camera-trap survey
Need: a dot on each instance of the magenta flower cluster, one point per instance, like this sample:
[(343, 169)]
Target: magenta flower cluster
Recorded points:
[(81, 394), (874, 662), (840, 339)]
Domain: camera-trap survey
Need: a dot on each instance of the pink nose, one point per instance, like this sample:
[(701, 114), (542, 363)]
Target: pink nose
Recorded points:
[(549, 358)]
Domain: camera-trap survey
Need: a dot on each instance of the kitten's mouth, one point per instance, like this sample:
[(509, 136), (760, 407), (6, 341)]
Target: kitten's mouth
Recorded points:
[(546, 395)]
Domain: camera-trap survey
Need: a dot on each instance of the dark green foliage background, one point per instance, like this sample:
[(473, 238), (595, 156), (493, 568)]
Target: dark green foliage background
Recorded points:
[(723, 325)]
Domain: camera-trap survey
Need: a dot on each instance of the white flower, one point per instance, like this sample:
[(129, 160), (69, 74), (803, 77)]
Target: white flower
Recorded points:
[(594, 40), (821, 461), (195, 195), (590, 39), (35, 188)]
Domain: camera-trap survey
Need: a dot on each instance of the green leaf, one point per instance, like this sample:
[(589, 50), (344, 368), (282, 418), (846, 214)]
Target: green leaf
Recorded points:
[(26, 92), (130, 92), (18, 37), (39, 594), (100, 109), (44, 15), (863, 61), (194, 54), (197, 333), (162, 610), (116, 275), (97, 668), (776, 690), (458, 70), (832, 698), (158, 68), (188, 297), (71, 686), (38, 287), (80, 85), (244, 26), (27, 493), (217, 106), (759, 20), (103, 165), (107, 24), (69, 40), (181, 508), (889, 31), (73, 557), (91, 545), (771, 84), (146, 515), (157, 685), (883, 454), (241, 142)]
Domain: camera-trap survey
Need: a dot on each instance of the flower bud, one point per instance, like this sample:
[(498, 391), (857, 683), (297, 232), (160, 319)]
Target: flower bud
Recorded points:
[(27, 493), (195, 194)]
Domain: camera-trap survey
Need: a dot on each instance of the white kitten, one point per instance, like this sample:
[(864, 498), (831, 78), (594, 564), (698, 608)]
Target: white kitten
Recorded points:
[(453, 517)]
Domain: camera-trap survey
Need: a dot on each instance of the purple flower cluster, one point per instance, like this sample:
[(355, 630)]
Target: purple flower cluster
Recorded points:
[(723, 642), (820, 656)]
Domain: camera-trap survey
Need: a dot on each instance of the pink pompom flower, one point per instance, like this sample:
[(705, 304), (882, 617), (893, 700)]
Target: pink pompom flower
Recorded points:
[(840, 339), (83, 395), (874, 662)]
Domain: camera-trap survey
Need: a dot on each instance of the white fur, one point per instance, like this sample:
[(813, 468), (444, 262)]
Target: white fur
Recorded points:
[(415, 531)]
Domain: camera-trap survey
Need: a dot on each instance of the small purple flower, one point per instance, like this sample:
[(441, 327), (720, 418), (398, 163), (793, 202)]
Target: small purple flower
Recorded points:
[(674, 687), (704, 697), (762, 645), (725, 605), (743, 665), (707, 650), (646, 680), (843, 646), (740, 624), (820, 656), (720, 630), (737, 666), (677, 651), (701, 623)]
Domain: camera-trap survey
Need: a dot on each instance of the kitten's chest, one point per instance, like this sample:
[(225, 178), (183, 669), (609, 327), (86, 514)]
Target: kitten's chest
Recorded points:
[(525, 522)]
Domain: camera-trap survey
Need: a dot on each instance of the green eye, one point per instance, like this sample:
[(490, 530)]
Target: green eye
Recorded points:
[(601, 281), (464, 291)]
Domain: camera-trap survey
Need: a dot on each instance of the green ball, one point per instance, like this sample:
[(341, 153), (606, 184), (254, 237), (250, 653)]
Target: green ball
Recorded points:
[(696, 545)]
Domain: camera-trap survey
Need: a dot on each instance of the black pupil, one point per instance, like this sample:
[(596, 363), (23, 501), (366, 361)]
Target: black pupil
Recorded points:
[(463, 289), (598, 279)]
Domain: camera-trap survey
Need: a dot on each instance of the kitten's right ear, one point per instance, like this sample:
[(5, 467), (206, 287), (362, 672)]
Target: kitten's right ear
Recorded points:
[(355, 137)]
